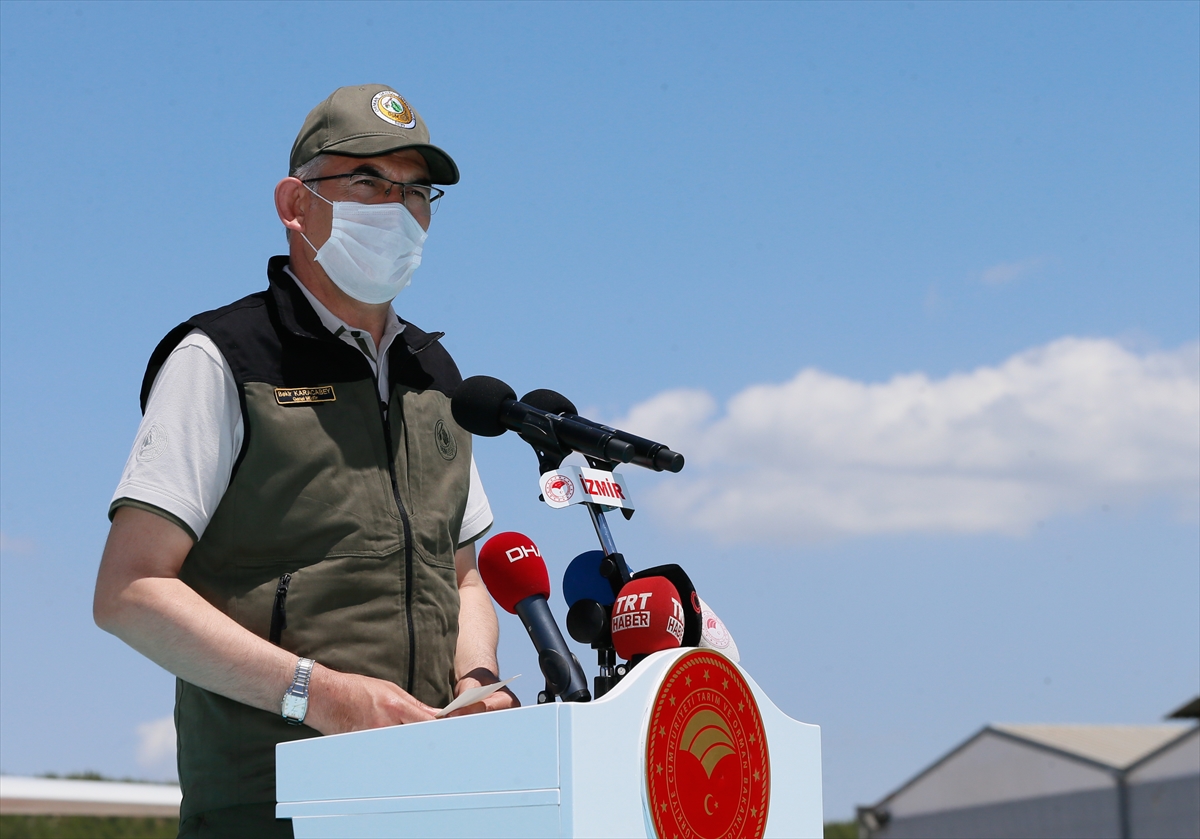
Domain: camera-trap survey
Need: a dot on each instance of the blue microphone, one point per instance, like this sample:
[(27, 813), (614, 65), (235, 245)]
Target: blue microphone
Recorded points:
[(583, 581), (589, 595)]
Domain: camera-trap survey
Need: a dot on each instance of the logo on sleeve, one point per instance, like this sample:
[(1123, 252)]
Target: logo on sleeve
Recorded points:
[(153, 444), (391, 108), (446, 444)]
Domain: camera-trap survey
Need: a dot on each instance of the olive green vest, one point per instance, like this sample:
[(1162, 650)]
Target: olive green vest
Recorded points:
[(337, 534)]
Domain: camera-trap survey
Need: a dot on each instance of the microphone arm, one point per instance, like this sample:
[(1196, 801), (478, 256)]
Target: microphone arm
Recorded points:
[(553, 437), (488, 407), (646, 453)]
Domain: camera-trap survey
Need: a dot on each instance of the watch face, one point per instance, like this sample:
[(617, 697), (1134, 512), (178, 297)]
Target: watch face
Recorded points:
[(294, 707)]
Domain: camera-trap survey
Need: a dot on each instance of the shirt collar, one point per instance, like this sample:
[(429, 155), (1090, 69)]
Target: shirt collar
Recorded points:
[(344, 331)]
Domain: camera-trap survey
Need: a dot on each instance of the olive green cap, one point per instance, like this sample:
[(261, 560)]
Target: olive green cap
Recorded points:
[(365, 121)]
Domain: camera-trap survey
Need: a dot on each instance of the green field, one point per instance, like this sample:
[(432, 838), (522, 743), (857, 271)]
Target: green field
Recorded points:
[(86, 827)]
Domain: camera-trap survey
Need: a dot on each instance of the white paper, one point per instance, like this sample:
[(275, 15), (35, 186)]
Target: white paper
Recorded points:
[(470, 697)]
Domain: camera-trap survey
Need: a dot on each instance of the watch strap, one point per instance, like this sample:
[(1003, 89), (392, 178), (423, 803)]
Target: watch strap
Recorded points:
[(294, 707), (304, 668)]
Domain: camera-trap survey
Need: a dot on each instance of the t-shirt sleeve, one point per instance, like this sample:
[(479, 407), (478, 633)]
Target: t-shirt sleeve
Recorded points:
[(478, 516), (183, 454)]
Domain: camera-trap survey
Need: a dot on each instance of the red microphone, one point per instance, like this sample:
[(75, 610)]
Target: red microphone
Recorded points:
[(647, 616), (515, 574), (512, 568)]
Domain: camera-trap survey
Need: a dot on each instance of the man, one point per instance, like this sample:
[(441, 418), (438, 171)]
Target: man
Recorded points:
[(293, 535)]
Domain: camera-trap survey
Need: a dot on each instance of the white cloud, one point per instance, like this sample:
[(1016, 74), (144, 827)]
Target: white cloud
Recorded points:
[(156, 743), (1006, 272), (1054, 429)]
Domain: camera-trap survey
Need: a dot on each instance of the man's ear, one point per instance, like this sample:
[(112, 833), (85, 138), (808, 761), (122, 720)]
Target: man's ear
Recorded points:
[(291, 202)]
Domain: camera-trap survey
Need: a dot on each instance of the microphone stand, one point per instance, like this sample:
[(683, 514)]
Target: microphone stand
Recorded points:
[(539, 433), (613, 569)]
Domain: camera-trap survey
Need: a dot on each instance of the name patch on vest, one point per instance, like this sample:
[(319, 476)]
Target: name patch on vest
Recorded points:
[(304, 395)]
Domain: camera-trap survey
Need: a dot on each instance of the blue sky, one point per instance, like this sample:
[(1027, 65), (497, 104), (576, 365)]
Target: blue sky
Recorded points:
[(916, 287)]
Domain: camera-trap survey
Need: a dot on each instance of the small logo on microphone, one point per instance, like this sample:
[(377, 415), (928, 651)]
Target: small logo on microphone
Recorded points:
[(558, 488), (714, 632), (628, 613), (631, 620), (521, 551)]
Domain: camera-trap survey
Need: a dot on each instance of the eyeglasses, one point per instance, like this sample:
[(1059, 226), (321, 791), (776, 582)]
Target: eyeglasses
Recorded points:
[(368, 188)]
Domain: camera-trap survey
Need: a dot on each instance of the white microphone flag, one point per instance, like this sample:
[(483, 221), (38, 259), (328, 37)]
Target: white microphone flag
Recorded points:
[(569, 485)]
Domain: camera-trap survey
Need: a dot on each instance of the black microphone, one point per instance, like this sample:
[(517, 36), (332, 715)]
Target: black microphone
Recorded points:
[(488, 407), (515, 574), (646, 453)]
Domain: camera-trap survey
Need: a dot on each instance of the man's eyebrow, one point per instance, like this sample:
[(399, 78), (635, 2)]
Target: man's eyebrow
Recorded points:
[(371, 169)]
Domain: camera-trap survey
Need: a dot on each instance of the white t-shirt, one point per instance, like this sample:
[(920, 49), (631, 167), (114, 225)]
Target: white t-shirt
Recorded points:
[(192, 430)]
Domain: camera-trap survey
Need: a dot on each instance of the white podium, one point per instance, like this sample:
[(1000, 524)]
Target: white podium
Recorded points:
[(572, 769)]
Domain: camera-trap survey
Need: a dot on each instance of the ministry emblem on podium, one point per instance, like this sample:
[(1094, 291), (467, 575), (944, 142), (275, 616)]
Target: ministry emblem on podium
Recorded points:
[(708, 770)]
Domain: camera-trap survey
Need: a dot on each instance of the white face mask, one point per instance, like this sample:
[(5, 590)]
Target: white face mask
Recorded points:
[(372, 249)]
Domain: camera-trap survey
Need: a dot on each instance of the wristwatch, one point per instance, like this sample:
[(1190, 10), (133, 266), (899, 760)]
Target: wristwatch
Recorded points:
[(295, 700)]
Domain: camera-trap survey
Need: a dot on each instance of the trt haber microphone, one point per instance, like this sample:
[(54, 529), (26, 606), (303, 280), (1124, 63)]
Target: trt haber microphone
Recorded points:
[(646, 453), (647, 616), (488, 407), (515, 574), (692, 625)]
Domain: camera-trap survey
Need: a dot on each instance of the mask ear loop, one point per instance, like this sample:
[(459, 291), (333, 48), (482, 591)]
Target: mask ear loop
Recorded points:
[(301, 232)]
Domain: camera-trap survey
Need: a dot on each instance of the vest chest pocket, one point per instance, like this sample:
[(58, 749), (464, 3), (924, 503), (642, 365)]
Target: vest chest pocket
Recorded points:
[(438, 472), (314, 479)]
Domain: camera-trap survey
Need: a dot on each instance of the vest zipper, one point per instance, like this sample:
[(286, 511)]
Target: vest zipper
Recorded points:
[(408, 557), (279, 609)]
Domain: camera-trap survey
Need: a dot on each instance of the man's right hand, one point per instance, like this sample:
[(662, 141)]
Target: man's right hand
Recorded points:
[(140, 599), (340, 702)]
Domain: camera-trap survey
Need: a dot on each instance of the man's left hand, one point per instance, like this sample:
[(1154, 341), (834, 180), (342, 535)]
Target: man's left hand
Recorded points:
[(496, 701)]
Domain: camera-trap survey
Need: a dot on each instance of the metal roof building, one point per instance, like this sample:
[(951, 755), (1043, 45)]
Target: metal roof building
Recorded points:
[(21, 796), (1044, 781)]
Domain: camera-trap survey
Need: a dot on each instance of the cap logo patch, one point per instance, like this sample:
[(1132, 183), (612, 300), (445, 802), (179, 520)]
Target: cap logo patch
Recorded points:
[(390, 107)]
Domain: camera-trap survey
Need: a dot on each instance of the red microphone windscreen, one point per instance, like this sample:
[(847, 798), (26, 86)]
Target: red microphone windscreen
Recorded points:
[(647, 617), (512, 568)]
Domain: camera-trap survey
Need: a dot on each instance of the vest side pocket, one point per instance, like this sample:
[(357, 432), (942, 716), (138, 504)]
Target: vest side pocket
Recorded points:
[(279, 609)]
